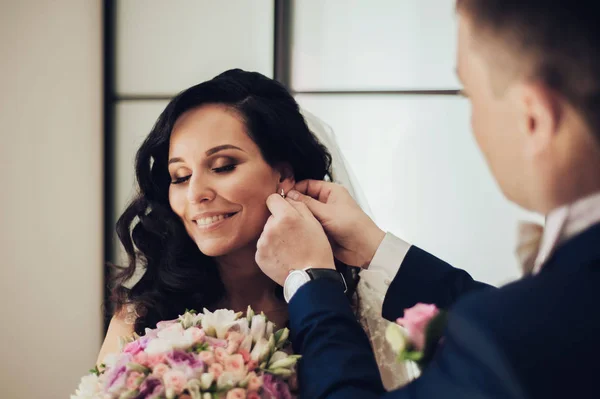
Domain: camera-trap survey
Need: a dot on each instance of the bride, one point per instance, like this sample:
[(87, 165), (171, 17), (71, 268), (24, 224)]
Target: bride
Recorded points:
[(204, 172)]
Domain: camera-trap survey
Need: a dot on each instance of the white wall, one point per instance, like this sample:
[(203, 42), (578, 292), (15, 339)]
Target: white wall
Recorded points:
[(51, 196)]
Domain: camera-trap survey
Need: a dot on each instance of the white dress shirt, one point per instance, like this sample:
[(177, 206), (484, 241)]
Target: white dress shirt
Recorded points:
[(561, 224)]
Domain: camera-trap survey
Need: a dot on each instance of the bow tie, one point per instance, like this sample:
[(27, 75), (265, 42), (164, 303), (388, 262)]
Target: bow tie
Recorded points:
[(528, 245)]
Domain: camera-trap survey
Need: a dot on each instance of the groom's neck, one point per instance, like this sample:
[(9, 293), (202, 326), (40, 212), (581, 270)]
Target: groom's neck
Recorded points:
[(574, 174)]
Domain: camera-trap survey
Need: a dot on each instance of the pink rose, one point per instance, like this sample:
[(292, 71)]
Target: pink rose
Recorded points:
[(194, 334), (216, 369), (154, 360), (237, 393), (221, 354), (234, 339), (252, 364), (134, 380), (141, 358), (415, 321), (245, 354), (254, 382), (175, 380), (160, 370), (133, 347), (235, 364), (252, 395), (207, 357)]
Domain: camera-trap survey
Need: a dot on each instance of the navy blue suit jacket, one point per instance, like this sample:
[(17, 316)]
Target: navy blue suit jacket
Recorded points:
[(538, 337)]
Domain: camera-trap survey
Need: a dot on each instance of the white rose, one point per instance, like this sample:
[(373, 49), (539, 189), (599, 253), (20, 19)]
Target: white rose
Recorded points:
[(217, 323), (158, 346), (89, 388)]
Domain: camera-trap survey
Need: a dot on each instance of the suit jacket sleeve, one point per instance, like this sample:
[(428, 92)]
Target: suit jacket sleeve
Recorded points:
[(426, 279), (338, 361)]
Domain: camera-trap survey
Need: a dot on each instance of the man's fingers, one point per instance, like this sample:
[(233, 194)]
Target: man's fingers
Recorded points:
[(317, 208), (301, 208), (278, 206), (317, 189)]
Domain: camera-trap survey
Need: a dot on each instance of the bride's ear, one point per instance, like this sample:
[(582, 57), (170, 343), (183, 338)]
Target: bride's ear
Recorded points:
[(286, 177)]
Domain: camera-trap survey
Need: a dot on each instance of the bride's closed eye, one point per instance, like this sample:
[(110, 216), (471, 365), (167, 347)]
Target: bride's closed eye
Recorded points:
[(179, 180), (224, 165), (224, 169)]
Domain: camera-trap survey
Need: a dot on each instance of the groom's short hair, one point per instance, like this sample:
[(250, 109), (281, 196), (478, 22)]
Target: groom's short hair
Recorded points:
[(554, 41)]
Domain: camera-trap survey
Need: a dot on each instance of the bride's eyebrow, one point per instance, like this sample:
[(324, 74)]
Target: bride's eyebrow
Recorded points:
[(223, 147), (210, 152)]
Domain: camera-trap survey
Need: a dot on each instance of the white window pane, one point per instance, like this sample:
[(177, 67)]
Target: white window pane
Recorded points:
[(373, 45), (424, 177), (164, 47), (134, 120)]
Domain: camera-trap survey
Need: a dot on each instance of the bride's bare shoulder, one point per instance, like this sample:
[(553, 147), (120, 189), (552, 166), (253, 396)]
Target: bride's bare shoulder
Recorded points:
[(121, 325)]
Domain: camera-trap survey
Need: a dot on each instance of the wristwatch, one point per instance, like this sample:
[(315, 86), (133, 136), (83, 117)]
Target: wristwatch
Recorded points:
[(298, 278)]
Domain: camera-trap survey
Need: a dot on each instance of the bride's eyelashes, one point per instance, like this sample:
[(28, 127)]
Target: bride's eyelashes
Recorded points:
[(179, 180), (225, 169), (220, 170)]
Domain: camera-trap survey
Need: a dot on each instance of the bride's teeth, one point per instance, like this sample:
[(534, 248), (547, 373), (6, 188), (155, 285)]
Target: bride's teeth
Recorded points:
[(210, 220)]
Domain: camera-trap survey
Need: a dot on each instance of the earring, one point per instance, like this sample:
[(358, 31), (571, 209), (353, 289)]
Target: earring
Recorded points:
[(282, 193)]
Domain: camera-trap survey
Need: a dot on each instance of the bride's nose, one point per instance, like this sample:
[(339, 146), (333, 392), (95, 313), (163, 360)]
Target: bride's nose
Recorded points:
[(200, 190)]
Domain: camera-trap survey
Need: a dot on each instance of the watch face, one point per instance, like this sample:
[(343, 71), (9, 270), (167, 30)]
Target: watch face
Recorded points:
[(293, 282)]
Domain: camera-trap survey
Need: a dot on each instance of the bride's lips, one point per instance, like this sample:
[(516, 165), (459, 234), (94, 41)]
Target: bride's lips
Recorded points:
[(212, 221)]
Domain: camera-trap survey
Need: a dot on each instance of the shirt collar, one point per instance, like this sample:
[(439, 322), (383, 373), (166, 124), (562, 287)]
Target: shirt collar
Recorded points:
[(565, 222)]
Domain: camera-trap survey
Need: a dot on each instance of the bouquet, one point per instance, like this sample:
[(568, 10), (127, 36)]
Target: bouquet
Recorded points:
[(416, 336), (206, 355)]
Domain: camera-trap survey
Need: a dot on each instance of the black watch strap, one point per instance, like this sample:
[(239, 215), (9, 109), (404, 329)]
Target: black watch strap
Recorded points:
[(327, 273)]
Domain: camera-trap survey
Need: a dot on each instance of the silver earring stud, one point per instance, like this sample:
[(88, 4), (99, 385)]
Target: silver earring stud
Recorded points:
[(282, 193)]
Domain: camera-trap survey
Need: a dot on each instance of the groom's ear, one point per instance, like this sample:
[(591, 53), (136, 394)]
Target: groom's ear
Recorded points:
[(286, 176)]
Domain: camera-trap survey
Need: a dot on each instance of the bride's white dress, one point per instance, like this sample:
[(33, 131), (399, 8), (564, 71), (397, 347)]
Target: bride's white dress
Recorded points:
[(393, 373), (371, 299)]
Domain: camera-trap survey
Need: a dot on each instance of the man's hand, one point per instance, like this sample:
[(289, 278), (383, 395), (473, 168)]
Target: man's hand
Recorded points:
[(355, 237), (292, 239)]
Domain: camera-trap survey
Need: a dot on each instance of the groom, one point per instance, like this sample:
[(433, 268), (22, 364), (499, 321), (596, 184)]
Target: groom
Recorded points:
[(531, 70)]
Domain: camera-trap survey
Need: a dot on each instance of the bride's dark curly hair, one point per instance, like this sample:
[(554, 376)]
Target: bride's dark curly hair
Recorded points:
[(176, 274)]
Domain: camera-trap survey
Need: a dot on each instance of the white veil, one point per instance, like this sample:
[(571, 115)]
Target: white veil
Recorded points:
[(342, 172), (371, 298)]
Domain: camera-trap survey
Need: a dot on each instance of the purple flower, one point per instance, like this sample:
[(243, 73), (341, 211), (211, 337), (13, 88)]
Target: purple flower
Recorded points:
[(150, 388), (178, 358), (275, 388), (117, 375)]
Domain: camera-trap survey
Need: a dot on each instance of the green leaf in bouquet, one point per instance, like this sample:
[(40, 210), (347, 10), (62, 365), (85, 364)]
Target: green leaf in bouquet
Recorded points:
[(95, 370), (263, 366), (201, 347), (411, 355), (192, 311)]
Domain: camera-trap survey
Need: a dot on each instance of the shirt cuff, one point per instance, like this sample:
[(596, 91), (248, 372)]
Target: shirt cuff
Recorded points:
[(385, 264)]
